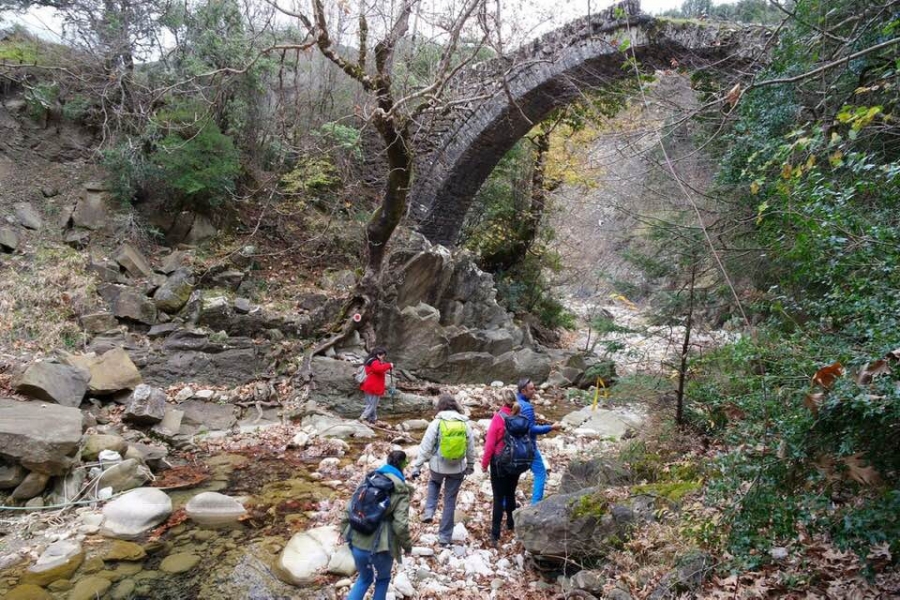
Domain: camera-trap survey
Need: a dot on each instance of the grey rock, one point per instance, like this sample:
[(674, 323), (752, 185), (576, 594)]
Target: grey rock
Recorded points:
[(95, 185), (9, 239), (64, 384), (340, 281), (597, 472), (178, 259), (125, 475), (129, 303), (58, 561), (175, 292), (107, 271), (146, 405), (577, 526), (91, 211), (242, 305), (228, 280), (211, 416), (331, 426), (162, 330), (27, 216), (590, 581), (170, 425), (77, 238), (202, 229), (111, 372), (11, 476), (130, 259), (49, 191), (96, 443), (99, 322), (152, 455), (33, 485)]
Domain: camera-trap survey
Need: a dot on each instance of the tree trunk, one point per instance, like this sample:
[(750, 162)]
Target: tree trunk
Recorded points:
[(682, 366)]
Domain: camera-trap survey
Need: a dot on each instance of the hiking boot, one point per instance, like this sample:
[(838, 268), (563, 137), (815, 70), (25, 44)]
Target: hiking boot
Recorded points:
[(443, 543), (495, 543), (427, 518)]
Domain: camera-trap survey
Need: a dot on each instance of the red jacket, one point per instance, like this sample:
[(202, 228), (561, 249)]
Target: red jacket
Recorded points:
[(493, 441), (374, 383)]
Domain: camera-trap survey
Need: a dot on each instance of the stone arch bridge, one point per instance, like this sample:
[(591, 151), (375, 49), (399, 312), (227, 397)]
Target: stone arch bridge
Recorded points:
[(457, 149)]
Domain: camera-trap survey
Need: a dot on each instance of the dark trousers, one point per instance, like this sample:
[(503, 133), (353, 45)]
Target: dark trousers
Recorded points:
[(504, 490)]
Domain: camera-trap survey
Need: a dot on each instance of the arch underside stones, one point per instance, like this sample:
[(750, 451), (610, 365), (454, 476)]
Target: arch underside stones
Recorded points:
[(548, 74)]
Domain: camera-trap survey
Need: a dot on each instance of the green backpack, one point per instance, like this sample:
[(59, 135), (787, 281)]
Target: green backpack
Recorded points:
[(453, 439)]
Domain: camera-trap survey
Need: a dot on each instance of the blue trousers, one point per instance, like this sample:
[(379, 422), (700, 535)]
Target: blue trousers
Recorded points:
[(539, 470), (372, 567)]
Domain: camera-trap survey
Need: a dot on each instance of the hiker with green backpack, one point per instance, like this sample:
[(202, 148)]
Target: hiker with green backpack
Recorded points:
[(449, 449)]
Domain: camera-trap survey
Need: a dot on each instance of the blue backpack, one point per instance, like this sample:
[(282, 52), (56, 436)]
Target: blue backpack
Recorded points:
[(518, 447), (370, 502)]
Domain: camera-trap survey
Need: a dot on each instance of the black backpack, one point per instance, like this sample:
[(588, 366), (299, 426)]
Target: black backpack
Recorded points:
[(518, 447), (370, 502)]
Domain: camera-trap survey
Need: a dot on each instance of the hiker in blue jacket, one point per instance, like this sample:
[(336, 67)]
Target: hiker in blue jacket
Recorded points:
[(538, 468)]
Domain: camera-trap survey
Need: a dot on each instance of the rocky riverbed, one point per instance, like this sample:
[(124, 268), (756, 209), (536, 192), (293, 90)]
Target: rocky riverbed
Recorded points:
[(252, 514)]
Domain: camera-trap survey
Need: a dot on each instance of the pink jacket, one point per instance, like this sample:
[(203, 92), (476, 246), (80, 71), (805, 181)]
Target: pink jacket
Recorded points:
[(493, 441)]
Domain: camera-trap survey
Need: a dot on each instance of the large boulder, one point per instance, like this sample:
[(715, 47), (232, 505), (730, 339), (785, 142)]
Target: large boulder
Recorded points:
[(192, 356), (96, 443), (129, 303), (26, 438), (134, 513), (307, 554), (175, 292), (208, 415), (27, 216), (330, 426), (336, 390), (64, 384), (91, 211), (578, 526), (134, 263), (111, 372), (597, 423), (33, 485), (9, 239)]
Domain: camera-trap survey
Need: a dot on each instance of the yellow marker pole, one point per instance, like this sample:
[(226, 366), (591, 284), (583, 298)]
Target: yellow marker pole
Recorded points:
[(597, 393)]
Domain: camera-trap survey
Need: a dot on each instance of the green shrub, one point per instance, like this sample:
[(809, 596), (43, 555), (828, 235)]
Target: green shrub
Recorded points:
[(195, 159)]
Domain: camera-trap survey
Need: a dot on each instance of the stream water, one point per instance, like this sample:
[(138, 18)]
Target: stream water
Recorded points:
[(283, 495)]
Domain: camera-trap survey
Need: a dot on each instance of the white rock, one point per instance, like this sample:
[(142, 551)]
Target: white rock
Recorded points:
[(403, 586), (56, 554), (414, 425), (778, 553), (503, 563), (186, 393), (307, 553), (329, 463), (301, 440), (341, 561), (460, 534), (497, 384), (213, 508), (135, 512), (204, 394), (422, 551), (343, 583)]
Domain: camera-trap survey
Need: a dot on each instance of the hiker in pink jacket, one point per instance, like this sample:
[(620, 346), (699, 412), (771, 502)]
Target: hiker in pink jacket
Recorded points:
[(503, 486)]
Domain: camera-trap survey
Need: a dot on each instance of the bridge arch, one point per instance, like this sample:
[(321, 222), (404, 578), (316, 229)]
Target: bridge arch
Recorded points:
[(545, 75)]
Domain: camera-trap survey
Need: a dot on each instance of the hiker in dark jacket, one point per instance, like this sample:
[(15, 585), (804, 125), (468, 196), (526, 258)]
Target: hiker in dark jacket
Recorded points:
[(374, 554), (373, 387), (445, 436), (503, 487), (538, 468)]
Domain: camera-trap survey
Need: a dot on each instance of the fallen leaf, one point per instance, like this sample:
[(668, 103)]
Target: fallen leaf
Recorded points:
[(733, 95), (872, 370), (859, 472), (812, 401), (826, 376)]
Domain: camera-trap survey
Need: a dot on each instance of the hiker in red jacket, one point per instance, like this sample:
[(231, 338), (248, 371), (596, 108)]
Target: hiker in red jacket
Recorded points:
[(373, 386)]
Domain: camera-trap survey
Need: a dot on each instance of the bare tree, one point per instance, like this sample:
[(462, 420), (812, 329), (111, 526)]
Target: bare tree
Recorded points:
[(393, 108)]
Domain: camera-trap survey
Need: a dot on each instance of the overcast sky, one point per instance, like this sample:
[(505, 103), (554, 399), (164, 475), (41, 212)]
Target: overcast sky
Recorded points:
[(43, 22)]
